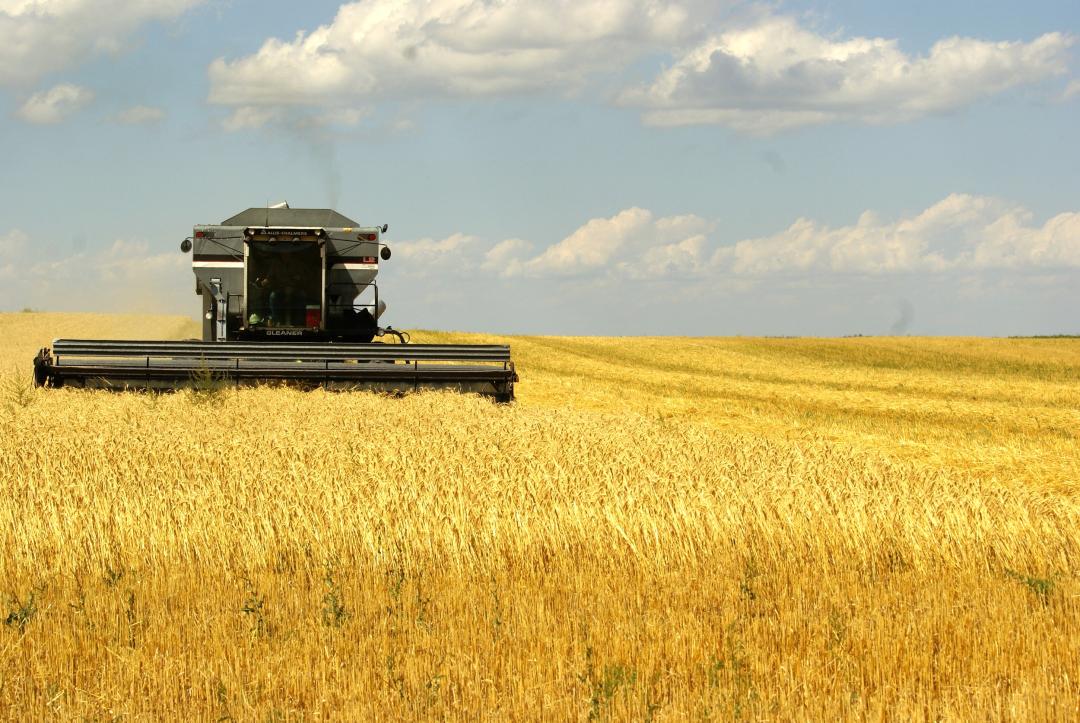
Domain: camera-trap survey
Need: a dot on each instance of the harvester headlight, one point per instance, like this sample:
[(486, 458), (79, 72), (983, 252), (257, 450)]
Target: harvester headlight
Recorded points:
[(385, 253), (185, 245)]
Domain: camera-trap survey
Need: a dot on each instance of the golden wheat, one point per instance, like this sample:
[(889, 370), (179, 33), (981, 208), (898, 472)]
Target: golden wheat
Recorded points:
[(665, 529)]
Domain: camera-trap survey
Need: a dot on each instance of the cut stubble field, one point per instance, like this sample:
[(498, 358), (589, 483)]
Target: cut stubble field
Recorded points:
[(704, 528)]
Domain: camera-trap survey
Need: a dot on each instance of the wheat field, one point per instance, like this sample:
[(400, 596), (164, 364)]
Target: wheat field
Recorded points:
[(658, 529)]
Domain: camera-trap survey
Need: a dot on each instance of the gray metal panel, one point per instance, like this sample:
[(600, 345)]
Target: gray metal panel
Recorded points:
[(313, 217), (225, 240), (346, 244), (218, 255)]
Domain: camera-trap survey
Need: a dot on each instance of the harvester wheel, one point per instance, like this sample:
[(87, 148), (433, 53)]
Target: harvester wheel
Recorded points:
[(41, 368)]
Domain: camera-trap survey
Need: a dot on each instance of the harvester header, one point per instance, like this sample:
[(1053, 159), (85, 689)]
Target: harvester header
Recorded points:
[(286, 295)]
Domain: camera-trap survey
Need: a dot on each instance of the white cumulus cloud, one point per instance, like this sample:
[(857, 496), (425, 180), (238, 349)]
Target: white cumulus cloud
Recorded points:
[(624, 242), (428, 254), (126, 275), (56, 104), (505, 257), (962, 233), (633, 242), (594, 244), (408, 48), (38, 37), (774, 74), (682, 258), (761, 76), (959, 233), (134, 260)]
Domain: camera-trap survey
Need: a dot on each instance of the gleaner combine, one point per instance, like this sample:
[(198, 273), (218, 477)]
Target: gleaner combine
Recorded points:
[(288, 295)]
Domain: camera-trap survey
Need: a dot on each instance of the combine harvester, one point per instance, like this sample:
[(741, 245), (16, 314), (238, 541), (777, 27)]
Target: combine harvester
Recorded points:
[(288, 295)]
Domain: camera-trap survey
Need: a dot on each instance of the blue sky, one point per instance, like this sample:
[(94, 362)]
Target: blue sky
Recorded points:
[(590, 167)]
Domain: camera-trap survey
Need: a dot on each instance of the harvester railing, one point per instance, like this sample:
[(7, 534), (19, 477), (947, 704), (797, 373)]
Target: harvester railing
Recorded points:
[(485, 369)]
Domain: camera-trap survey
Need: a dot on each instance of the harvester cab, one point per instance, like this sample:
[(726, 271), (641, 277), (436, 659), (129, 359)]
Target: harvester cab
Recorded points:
[(288, 295), (285, 273)]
